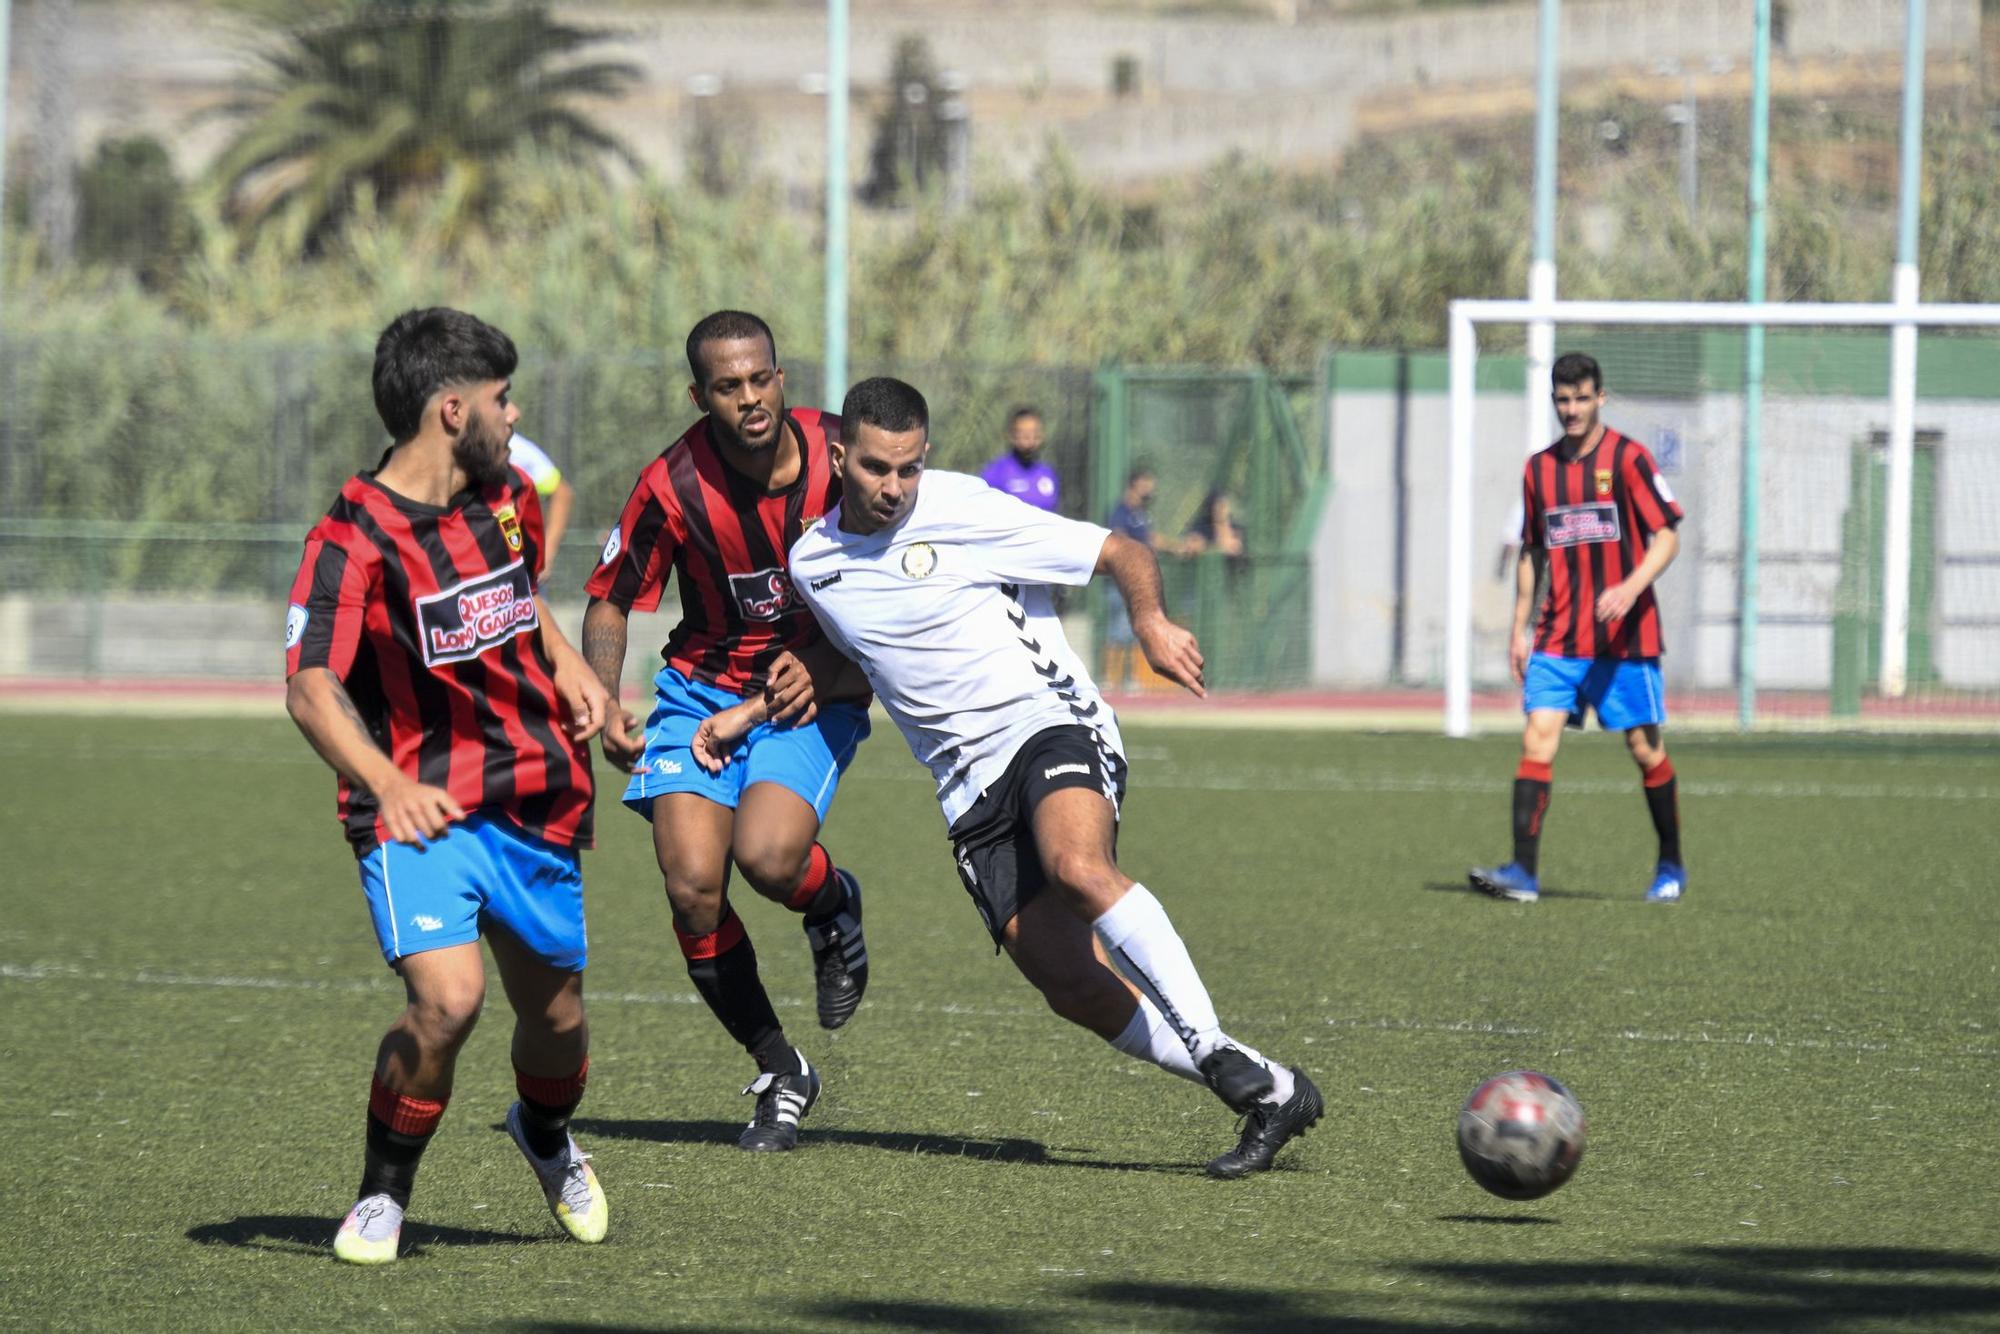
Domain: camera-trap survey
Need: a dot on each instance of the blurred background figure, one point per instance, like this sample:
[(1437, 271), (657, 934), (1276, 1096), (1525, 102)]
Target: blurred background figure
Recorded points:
[(1132, 517), (1021, 471), (557, 495), (1213, 528)]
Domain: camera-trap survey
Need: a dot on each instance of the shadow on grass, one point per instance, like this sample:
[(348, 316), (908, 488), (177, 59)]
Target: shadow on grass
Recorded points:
[(1460, 887), (1737, 1288), (292, 1232), (1500, 1220), (1001, 1150)]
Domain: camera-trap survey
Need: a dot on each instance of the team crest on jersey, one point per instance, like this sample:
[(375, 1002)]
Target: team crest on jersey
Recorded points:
[(1604, 481), (510, 527), (763, 595), (465, 620), (919, 559)]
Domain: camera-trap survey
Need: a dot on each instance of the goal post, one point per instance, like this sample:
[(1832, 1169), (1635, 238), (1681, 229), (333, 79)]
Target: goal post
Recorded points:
[(1844, 410)]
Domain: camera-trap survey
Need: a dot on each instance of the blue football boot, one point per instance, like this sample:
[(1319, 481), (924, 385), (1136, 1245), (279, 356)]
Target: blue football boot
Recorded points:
[(1669, 883), (1511, 881)]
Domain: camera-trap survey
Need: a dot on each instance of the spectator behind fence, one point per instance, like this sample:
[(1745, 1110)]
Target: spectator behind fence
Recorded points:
[(1132, 517), (1213, 528), (1020, 472)]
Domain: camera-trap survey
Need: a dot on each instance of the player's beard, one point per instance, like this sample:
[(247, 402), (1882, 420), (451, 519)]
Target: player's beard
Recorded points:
[(733, 435), (481, 452)]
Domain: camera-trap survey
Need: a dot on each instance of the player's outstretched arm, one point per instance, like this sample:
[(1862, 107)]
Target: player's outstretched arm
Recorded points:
[(604, 650), (1169, 648), (585, 697), (323, 710)]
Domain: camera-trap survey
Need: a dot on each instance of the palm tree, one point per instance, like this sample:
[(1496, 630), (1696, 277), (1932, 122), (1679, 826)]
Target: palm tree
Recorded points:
[(395, 99)]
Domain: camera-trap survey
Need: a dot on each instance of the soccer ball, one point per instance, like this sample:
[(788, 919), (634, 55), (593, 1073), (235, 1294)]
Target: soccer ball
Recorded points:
[(1520, 1135)]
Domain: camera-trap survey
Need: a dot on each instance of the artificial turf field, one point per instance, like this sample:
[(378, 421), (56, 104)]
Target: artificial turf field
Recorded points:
[(1790, 1077)]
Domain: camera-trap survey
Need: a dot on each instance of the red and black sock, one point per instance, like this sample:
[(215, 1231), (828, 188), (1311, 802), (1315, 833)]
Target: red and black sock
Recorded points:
[(399, 1129), (819, 894), (546, 1106), (1531, 803), (1664, 801), (723, 966)]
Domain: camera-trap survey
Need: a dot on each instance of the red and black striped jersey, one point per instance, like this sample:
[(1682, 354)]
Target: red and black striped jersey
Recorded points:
[(1594, 514), (428, 617), (726, 538)]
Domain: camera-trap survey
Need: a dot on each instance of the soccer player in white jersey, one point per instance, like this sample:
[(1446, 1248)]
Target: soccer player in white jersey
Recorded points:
[(940, 594)]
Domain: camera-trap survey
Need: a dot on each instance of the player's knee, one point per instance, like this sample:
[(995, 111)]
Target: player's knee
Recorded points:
[(444, 1018), (771, 868), (696, 901), (1087, 877)]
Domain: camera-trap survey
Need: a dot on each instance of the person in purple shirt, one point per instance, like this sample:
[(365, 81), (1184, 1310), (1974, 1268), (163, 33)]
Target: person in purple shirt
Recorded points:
[(1020, 472)]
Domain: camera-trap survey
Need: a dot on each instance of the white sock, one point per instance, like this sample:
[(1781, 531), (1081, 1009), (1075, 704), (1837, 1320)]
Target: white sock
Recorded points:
[(1150, 1038), (1144, 946)]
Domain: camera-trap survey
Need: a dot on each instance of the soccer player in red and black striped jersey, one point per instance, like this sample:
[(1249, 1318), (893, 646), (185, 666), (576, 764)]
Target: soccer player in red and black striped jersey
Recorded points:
[(425, 669), (1601, 524), (719, 509)]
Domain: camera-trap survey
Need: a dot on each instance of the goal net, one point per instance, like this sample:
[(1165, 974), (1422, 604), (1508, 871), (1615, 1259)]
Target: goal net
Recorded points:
[(1780, 609)]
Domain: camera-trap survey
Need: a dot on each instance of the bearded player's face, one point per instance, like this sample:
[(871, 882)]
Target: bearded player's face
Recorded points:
[(481, 448), (743, 392), (1577, 408)]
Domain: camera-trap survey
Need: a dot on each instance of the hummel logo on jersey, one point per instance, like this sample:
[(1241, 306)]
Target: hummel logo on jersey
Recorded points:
[(1055, 769), (426, 922), (828, 582), (665, 766), (763, 595)]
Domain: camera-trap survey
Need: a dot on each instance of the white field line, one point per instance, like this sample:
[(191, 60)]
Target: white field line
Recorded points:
[(1171, 775), (1706, 1036)]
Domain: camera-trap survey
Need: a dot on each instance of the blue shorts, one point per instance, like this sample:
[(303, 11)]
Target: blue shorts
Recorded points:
[(808, 760), (1626, 692), (484, 872)]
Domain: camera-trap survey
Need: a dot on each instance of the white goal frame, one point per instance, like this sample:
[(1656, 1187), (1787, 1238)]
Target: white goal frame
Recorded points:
[(1902, 319)]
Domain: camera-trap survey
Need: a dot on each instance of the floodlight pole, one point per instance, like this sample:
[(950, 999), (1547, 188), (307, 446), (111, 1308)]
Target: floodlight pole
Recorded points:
[(1542, 267), (836, 204), (1903, 373), (1753, 375)]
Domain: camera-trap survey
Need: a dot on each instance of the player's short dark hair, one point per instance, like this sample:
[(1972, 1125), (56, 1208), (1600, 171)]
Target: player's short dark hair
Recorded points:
[(1024, 410), (422, 351), (1577, 369), (722, 327), (1139, 473), (887, 405)]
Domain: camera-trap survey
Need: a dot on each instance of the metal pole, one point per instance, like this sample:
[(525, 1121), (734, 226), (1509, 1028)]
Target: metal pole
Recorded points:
[(1753, 374), (1690, 151), (1903, 373), (1542, 268), (6, 24), (836, 204), (1458, 532)]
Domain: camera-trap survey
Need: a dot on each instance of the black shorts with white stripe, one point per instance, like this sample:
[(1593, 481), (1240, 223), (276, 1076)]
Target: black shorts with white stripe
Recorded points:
[(994, 842)]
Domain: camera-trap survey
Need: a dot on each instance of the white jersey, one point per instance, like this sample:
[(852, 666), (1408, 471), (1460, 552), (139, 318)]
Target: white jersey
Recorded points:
[(948, 612), (531, 459)]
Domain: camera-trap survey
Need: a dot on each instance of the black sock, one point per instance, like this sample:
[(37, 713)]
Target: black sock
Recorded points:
[(1664, 802), (546, 1107), (723, 967), (391, 1165), (1532, 783)]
